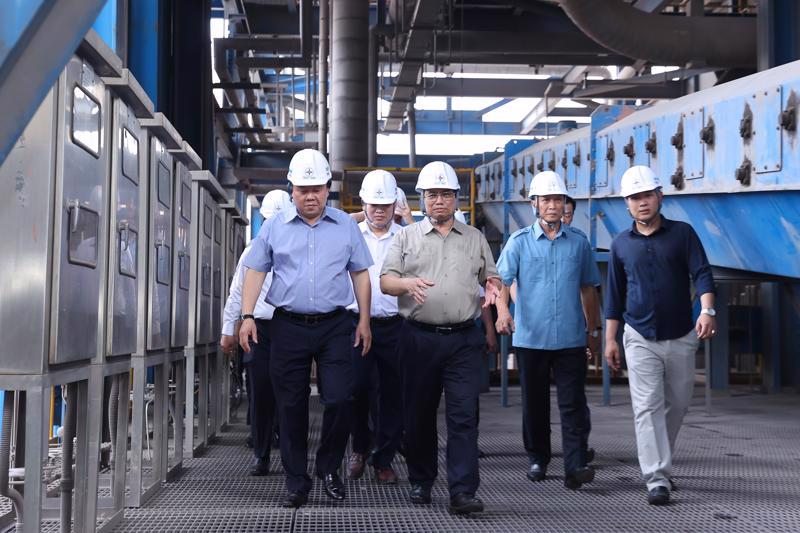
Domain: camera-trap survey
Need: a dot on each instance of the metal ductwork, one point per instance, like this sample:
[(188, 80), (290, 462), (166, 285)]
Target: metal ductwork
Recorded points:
[(718, 41), (348, 114)]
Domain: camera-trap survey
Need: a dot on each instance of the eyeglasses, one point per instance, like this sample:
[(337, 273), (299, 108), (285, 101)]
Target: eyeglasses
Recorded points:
[(444, 195)]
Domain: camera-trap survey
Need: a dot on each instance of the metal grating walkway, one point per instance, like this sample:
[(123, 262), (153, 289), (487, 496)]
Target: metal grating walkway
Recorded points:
[(738, 470)]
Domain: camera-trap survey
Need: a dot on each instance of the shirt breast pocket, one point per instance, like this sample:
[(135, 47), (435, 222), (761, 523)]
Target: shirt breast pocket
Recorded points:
[(570, 267), (532, 269)]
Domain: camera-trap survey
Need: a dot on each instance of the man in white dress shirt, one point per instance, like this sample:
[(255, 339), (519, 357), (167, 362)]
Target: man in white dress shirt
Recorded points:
[(379, 371), (259, 386)]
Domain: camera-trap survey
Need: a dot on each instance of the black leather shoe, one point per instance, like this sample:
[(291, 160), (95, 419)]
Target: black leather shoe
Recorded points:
[(334, 487), (537, 472), (295, 500), (589, 455), (419, 495), (576, 479), (658, 496), (261, 468), (465, 503)]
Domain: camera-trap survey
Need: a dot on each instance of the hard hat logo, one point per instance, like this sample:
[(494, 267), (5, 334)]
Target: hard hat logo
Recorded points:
[(309, 171), (379, 193), (440, 179)]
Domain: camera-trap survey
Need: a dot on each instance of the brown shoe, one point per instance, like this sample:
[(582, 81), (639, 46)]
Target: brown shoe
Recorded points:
[(355, 466), (385, 476)]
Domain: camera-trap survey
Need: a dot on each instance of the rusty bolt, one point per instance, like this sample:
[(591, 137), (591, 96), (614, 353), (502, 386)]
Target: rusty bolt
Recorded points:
[(650, 145), (743, 172), (677, 178)]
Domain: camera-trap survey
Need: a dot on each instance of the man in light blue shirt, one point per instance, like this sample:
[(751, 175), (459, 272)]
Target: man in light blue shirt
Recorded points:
[(314, 253), (552, 265)]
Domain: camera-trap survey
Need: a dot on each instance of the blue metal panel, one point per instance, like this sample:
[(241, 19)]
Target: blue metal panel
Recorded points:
[(601, 162), (143, 50), (641, 134), (693, 147), (106, 24), (767, 145), (758, 232)]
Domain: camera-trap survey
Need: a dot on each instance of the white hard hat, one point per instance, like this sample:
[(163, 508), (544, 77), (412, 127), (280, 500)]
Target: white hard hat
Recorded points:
[(274, 202), (636, 179), (459, 215), (309, 167), (437, 175), (378, 187), (545, 183)]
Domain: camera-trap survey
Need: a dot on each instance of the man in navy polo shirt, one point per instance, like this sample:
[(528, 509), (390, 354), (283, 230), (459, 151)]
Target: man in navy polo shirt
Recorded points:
[(649, 272)]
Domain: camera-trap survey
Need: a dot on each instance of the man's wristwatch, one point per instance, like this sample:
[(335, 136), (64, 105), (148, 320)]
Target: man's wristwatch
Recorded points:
[(710, 311), (596, 332), (245, 317)]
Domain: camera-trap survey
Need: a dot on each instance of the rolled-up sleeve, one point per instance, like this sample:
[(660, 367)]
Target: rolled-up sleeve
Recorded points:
[(617, 286), (508, 264), (360, 258), (233, 305), (393, 264), (590, 274), (260, 256), (699, 268), (489, 269)]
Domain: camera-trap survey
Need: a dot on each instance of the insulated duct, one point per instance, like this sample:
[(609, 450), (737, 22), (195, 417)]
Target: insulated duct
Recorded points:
[(349, 51), (718, 41)]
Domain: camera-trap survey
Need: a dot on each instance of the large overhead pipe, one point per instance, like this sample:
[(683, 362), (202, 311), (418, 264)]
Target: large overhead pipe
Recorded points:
[(349, 43), (322, 81), (718, 41)]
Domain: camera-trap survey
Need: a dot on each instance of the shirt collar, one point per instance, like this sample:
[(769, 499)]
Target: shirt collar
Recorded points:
[(665, 225), (538, 230), (292, 213), (427, 227), (366, 231)]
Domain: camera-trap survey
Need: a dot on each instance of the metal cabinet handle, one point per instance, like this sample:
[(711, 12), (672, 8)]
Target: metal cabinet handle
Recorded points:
[(74, 208), (124, 234)]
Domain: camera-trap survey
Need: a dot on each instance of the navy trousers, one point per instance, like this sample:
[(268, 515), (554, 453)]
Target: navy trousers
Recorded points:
[(294, 345), (569, 372), (260, 395), (433, 363), (381, 368)]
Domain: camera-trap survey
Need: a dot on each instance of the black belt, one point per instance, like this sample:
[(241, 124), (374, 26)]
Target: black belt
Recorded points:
[(443, 329), (382, 320), (310, 319)]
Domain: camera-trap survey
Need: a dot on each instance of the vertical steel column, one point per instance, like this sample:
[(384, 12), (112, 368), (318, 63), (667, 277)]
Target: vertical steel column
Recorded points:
[(372, 98), (349, 43), (322, 81), (412, 135)]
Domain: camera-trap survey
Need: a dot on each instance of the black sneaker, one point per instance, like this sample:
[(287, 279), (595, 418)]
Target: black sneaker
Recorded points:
[(465, 503)]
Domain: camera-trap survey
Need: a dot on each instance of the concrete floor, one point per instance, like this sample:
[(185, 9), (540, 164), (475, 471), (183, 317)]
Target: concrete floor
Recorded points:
[(737, 469)]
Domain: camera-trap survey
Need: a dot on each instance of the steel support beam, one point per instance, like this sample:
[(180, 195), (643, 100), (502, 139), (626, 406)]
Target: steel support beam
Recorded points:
[(502, 88), (571, 79), (35, 58)]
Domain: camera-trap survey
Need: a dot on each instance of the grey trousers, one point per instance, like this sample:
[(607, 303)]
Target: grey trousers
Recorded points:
[(661, 379)]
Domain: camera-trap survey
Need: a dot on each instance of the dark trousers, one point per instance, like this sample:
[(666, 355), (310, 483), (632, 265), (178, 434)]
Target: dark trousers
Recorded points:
[(260, 395), (381, 364), (569, 371), (432, 363), (294, 345)]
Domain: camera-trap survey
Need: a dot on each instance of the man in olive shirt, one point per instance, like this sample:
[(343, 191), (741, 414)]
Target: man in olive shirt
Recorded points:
[(434, 267)]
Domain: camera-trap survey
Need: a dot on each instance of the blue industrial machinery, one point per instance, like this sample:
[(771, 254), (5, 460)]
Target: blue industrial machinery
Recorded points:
[(728, 158)]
